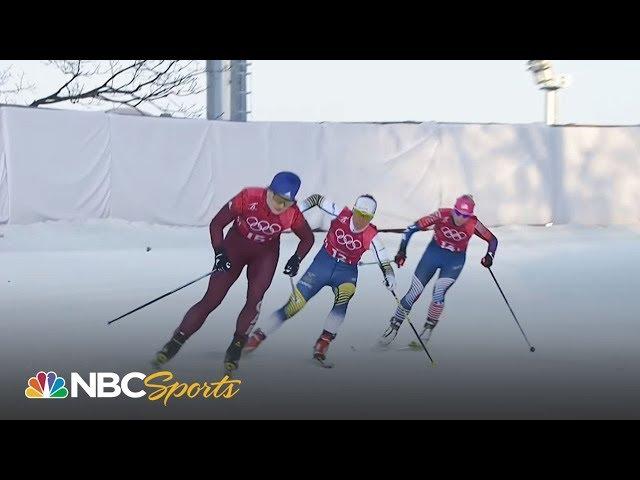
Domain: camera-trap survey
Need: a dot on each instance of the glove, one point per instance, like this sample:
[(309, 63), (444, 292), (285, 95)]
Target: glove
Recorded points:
[(222, 263), (401, 257), (292, 266), (390, 282), (487, 261)]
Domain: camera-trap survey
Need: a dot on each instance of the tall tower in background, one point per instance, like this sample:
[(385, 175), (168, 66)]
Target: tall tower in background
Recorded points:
[(227, 90), (551, 83)]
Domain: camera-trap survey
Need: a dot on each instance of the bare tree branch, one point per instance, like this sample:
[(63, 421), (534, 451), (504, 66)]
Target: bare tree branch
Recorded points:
[(12, 85), (135, 83)]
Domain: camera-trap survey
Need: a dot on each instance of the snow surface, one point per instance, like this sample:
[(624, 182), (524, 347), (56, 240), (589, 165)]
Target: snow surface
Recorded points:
[(575, 290)]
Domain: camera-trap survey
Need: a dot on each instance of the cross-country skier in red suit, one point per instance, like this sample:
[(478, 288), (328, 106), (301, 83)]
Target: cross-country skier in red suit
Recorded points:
[(259, 216), (453, 229)]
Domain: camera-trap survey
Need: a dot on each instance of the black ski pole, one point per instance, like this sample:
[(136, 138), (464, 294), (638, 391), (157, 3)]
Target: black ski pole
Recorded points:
[(531, 347), (361, 263), (415, 331), (161, 297)]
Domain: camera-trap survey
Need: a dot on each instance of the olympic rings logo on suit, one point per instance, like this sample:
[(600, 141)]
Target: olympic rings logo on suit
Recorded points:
[(347, 240), (453, 234), (263, 226)]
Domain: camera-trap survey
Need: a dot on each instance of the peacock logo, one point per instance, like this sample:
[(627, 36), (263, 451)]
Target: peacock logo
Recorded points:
[(46, 385)]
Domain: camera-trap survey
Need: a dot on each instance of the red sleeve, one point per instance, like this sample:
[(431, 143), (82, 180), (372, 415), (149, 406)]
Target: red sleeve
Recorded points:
[(224, 217), (485, 234), (301, 228), (427, 221), (236, 204)]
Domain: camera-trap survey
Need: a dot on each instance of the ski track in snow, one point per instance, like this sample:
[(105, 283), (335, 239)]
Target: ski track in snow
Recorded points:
[(574, 289)]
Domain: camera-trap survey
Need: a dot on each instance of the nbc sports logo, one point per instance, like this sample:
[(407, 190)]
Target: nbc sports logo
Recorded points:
[(110, 385), (46, 385)]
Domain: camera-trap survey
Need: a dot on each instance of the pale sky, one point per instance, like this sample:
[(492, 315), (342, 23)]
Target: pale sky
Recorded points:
[(601, 92)]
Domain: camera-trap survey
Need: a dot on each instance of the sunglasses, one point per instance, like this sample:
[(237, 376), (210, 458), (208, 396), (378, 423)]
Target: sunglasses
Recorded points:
[(460, 214), (367, 216)]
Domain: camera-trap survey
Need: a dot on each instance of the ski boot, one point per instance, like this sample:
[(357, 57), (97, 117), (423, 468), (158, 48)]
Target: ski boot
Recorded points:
[(233, 354), (425, 335), (321, 347), (390, 333), (254, 341), (169, 350)]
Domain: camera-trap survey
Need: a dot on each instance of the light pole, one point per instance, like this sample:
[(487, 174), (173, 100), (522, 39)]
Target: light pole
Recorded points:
[(548, 81), (238, 90), (215, 89), (227, 90)]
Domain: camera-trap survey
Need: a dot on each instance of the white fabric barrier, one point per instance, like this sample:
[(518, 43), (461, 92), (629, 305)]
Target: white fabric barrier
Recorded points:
[(507, 168), (297, 146), (58, 164), (4, 183), (162, 170), (600, 177), (250, 154), (394, 163)]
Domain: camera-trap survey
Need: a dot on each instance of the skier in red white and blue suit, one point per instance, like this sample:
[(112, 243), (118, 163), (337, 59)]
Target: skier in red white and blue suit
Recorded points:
[(453, 229)]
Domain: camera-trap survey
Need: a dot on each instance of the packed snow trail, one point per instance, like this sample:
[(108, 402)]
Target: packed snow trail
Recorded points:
[(574, 289)]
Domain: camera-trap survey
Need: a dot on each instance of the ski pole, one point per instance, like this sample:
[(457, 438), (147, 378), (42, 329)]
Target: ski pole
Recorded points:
[(161, 297), (361, 263), (531, 347), (381, 230), (414, 330), (393, 292)]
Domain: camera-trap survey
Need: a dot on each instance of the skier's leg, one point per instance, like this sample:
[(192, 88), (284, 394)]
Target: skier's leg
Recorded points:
[(344, 283), (426, 268), (259, 277), (449, 273), (219, 284), (260, 271), (314, 279)]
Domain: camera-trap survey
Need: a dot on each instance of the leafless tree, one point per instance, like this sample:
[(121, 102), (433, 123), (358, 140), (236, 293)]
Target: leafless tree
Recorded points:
[(161, 84), (11, 85)]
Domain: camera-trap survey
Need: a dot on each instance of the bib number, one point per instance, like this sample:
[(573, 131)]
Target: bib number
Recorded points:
[(333, 252), (256, 237), (336, 254), (447, 246)]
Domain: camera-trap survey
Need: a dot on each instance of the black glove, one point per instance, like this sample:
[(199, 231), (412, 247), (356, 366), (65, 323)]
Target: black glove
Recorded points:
[(487, 261), (401, 257), (292, 266), (222, 264)]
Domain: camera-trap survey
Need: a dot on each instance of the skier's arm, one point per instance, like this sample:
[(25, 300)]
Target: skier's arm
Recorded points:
[(303, 231), (224, 217), (423, 223), (317, 200), (383, 260), (485, 234)]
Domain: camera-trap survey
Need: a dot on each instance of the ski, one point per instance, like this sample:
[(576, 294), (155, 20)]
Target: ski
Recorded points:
[(230, 368), (413, 346), (323, 363)]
